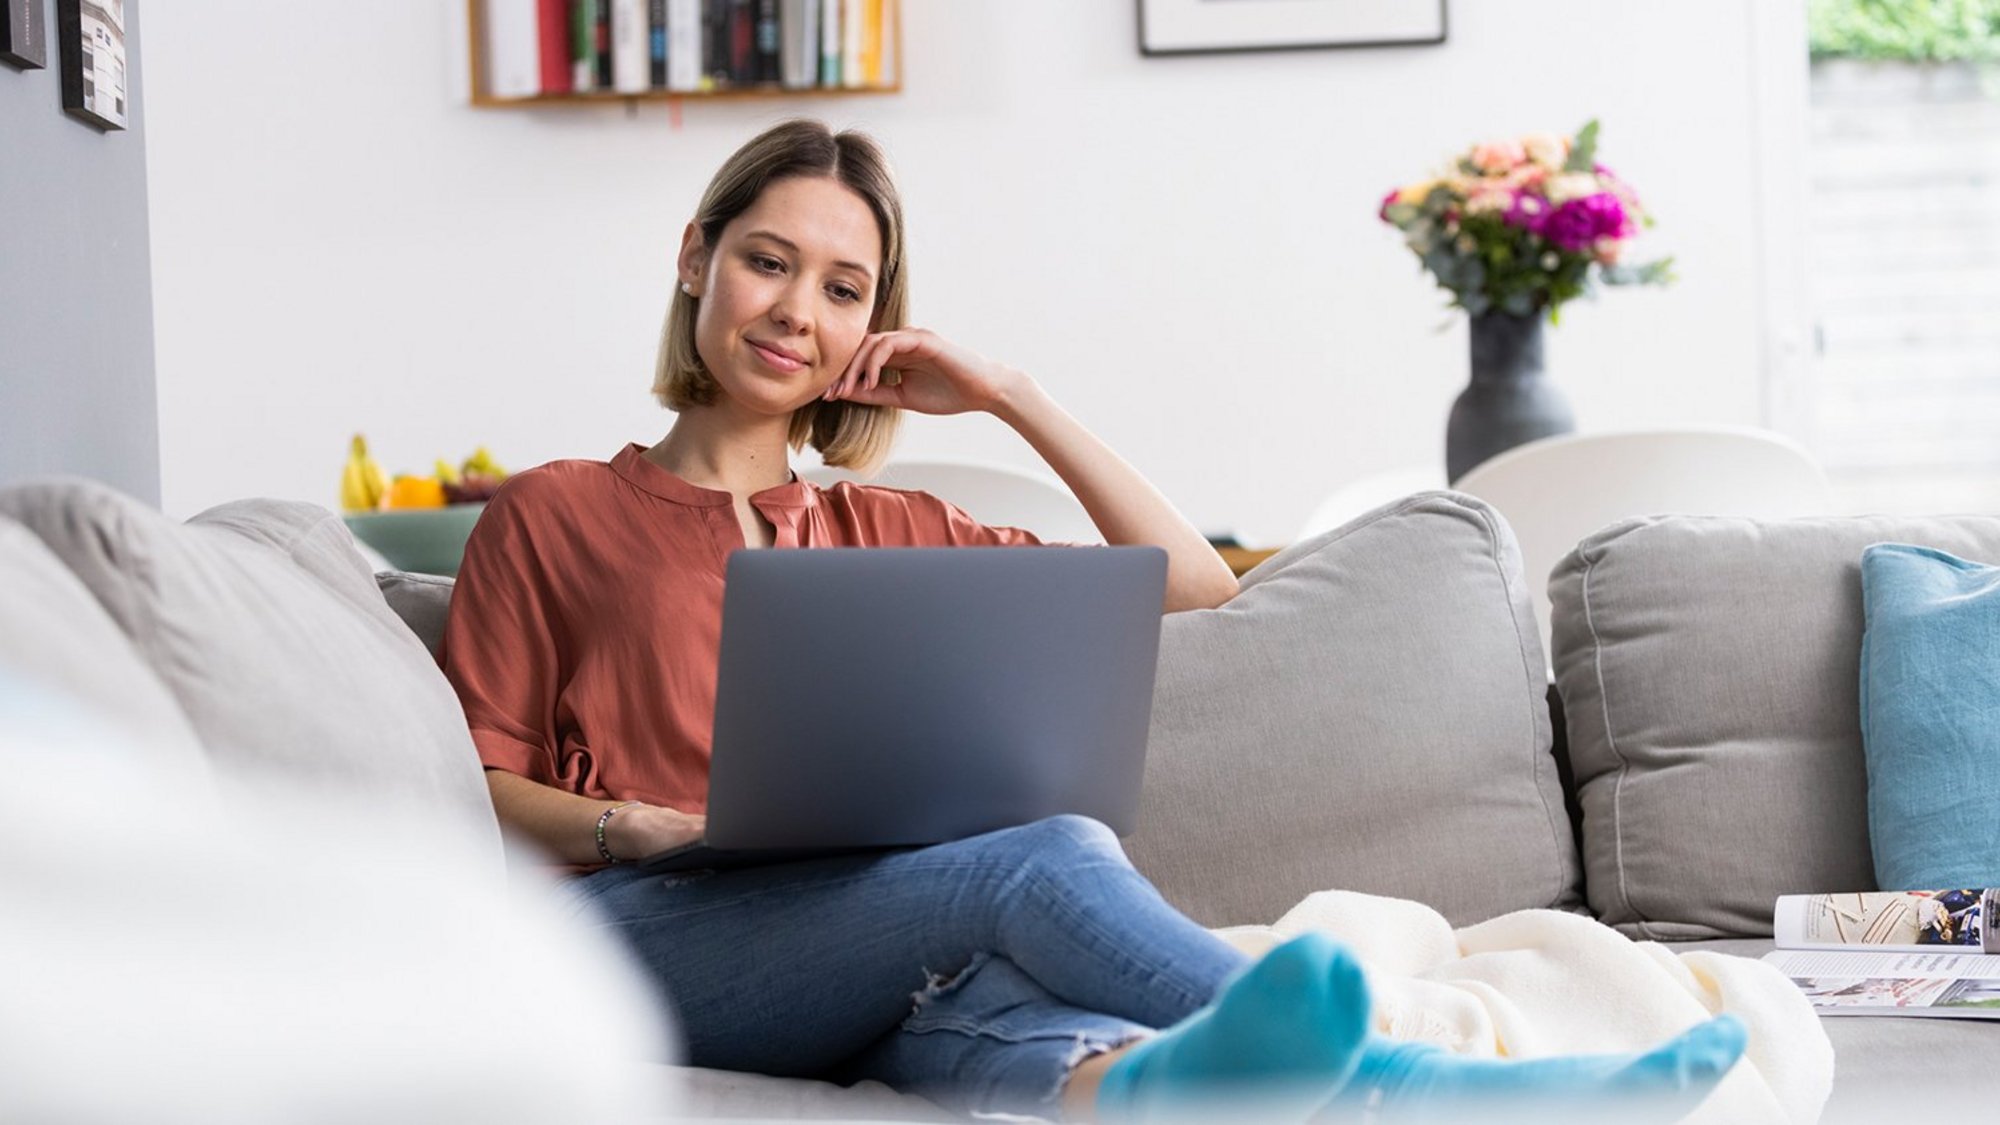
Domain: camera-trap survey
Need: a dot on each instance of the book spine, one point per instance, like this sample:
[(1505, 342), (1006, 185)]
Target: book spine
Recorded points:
[(684, 45), (850, 43), (742, 42), (769, 42), (630, 72), (583, 60), (871, 42), (891, 52), (808, 44), (553, 41), (829, 43), (602, 73), (791, 22), (715, 44), (656, 44), (513, 49)]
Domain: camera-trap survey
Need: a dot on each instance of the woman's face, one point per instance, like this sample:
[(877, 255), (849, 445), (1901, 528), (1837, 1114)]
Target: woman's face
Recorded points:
[(787, 293)]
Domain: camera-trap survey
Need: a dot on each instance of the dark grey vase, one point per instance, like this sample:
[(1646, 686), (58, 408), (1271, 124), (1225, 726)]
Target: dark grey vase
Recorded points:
[(1509, 401)]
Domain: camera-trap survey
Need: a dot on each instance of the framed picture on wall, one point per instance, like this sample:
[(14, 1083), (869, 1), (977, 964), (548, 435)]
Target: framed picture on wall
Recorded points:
[(91, 35), (23, 41), (1195, 27)]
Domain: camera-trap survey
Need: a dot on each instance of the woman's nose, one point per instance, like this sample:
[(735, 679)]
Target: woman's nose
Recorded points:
[(788, 311)]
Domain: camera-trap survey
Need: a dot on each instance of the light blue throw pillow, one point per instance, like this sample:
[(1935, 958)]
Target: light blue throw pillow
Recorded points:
[(1930, 717)]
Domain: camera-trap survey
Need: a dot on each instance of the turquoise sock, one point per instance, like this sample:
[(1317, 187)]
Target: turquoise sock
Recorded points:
[(1282, 1039), (1418, 1082)]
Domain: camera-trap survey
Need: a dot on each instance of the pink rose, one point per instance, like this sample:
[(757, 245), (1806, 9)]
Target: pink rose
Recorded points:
[(1495, 157)]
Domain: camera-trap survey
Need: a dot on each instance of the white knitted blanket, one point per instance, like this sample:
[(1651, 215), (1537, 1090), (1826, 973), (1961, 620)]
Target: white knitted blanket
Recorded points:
[(1542, 982)]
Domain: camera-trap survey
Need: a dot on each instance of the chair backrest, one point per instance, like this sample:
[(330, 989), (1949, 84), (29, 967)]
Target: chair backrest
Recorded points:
[(1363, 495), (991, 494), (1555, 491)]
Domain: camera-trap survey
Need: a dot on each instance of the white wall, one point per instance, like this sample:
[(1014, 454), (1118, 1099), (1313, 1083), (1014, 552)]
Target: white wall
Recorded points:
[(1184, 250)]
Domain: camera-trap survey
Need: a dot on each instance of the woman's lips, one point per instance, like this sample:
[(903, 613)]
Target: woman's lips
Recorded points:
[(776, 359)]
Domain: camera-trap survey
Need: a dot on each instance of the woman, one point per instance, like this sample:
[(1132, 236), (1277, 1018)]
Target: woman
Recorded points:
[(1025, 971)]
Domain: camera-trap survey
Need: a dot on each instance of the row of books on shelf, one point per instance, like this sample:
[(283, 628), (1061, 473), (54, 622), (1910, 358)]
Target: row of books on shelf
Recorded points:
[(537, 48)]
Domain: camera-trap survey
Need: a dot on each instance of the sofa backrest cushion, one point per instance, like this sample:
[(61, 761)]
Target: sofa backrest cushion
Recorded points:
[(56, 638), (266, 625), (1369, 714), (1710, 676)]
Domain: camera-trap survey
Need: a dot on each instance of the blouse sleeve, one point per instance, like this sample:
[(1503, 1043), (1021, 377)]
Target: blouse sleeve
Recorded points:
[(502, 639), (899, 517), (959, 529)]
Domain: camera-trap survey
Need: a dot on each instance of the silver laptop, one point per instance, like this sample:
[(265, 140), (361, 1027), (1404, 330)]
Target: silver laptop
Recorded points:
[(888, 697)]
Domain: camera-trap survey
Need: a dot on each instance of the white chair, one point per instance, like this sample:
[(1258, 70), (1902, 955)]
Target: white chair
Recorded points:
[(1368, 493), (1556, 491), (992, 494)]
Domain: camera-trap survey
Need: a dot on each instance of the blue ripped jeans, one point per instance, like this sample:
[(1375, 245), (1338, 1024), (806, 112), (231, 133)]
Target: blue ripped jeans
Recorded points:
[(975, 973)]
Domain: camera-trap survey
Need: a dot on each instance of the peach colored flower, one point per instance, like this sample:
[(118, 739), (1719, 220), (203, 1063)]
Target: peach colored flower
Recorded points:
[(1527, 176), (1545, 149), (1607, 251), (1497, 156)]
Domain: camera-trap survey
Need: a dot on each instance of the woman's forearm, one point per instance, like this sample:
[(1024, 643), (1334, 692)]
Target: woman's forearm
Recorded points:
[(565, 825), (1126, 508)]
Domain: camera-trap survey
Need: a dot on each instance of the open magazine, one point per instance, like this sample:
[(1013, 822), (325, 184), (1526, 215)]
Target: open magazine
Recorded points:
[(1892, 953)]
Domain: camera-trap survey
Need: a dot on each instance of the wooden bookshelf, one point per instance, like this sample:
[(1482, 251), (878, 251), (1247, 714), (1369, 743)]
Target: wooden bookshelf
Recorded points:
[(892, 33)]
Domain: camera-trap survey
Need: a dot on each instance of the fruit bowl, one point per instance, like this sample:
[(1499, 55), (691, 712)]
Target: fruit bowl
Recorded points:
[(420, 540)]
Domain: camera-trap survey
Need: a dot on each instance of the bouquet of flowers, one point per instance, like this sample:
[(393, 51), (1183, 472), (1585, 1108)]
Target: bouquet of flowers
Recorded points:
[(1518, 226)]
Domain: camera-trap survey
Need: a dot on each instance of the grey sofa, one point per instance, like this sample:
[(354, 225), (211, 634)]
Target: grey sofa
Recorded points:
[(1370, 713)]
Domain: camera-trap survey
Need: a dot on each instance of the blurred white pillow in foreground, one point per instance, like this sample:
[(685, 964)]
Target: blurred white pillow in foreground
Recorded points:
[(171, 953)]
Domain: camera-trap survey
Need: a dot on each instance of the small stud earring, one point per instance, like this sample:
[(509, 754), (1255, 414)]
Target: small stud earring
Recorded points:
[(686, 288)]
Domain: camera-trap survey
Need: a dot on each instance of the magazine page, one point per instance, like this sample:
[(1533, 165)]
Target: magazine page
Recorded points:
[(1847, 983), (1898, 921)]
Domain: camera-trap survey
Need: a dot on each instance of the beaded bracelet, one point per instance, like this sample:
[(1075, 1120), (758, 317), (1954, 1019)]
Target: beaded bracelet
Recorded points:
[(601, 822)]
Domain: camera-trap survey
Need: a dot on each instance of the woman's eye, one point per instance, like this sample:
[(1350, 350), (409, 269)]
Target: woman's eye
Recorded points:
[(766, 263), (845, 293)]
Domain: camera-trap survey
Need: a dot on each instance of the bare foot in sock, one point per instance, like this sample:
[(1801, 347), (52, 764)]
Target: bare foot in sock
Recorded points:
[(1282, 1038), (1407, 1082)]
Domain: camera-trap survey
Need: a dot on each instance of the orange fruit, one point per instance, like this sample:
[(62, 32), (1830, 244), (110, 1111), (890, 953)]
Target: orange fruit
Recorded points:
[(416, 492)]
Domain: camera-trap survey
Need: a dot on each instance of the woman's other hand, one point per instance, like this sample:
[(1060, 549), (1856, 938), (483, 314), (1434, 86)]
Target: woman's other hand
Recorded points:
[(644, 830), (936, 375)]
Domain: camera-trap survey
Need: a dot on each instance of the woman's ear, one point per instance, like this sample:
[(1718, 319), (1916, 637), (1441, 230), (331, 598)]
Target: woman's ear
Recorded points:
[(693, 261)]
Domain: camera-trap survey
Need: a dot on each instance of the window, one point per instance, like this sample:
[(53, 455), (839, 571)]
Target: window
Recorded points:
[(1902, 383)]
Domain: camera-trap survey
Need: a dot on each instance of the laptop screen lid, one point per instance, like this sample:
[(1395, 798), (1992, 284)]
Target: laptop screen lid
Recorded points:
[(872, 697)]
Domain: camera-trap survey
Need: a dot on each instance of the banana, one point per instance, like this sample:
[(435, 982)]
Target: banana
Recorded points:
[(364, 487)]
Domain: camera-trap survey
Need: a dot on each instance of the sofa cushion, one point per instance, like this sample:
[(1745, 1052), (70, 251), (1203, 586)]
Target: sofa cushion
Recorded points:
[(1368, 714), (421, 600), (1930, 690), (1886, 1064), (55, 635), (180, 952), (1709, 669), (268, 629)]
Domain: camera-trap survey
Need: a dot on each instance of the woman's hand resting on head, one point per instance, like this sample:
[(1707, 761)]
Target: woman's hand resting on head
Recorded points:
[(643, 830), (937, 376)]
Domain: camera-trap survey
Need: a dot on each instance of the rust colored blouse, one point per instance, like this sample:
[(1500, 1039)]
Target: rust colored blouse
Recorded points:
[(584, 630)]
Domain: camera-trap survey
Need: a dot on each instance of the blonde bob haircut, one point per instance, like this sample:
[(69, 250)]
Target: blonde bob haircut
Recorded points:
[(847, 435)]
